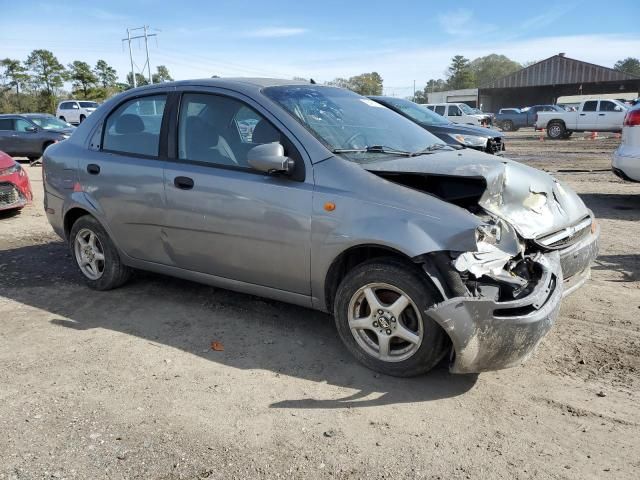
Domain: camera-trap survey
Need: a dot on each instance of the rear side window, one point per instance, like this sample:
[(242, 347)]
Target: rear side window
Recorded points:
[(134, 127), (590, 106), (606, 106), (454, 111), (6, 124), (440, 109)]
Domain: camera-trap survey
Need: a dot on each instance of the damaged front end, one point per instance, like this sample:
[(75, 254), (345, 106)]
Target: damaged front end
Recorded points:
[(499, 301)]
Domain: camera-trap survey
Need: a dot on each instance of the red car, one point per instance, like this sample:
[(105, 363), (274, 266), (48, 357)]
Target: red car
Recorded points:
[(15, 189)]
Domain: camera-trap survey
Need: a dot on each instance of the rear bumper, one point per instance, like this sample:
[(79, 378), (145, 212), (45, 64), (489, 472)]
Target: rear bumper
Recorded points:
[(491, 335), (626, 166)]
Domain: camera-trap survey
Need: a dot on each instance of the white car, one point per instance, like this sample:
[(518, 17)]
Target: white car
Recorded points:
[(460, 113), (626, 159), (75, 111)]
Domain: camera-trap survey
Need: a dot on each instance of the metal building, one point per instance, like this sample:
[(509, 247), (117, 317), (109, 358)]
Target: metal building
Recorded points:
[(557, 76)]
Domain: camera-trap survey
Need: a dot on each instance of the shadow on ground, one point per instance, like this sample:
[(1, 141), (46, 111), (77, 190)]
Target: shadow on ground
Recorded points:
[(617, 206), (628, 266), (256, 333)]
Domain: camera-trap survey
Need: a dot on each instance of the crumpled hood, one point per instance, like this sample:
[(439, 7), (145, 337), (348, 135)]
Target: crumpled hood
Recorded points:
[(532, 201)]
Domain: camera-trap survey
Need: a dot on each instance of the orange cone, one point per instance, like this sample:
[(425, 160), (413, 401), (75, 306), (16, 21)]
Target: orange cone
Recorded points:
[(593, 135)]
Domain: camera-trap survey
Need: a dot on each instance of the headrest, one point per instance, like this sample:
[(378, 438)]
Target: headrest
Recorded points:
[(129, 123), (264, 132)]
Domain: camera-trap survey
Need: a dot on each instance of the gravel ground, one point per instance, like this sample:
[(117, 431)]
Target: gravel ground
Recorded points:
[(124, 384)]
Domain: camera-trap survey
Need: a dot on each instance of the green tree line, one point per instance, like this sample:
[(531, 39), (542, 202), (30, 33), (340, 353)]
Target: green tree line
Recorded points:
[(37, 84)]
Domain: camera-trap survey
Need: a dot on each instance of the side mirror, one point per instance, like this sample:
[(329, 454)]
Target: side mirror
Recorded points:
[(75, 107), (31, 129), (617, 108), (270, 158)]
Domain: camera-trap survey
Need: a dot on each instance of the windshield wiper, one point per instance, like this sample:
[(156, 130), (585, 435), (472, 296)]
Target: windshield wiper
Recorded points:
[(374, 149), (431, 149)]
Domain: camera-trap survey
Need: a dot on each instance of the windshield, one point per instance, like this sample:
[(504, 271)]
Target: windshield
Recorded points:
[(466, 109), (88, 104), (50, 123), (342, 119), (418, 113)]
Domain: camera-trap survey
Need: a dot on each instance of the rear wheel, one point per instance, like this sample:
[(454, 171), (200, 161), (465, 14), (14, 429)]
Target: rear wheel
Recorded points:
[(507, 126), (96, 255), (380, 316), (556, 130)]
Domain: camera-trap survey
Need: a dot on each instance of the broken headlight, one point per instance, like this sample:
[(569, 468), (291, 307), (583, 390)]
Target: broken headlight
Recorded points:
[(488, 233)]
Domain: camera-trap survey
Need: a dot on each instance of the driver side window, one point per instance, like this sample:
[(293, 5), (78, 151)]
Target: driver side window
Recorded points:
[(220, 130), (22, 125), (454, 111)]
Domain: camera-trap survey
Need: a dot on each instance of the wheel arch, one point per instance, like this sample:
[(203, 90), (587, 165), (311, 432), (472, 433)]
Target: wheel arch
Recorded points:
[(349, 259), (72, 215)]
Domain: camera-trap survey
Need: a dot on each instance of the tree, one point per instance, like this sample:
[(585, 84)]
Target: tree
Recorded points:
[(82, 76), (367, 83), (107, 75), (47, 72), (161, 75), (460, 74), (628, 65), (492, 67), (364, 84), (140, 80), (14, 75)]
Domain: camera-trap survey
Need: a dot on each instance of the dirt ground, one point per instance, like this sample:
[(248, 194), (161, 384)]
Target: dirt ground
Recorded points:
[(124, 384)]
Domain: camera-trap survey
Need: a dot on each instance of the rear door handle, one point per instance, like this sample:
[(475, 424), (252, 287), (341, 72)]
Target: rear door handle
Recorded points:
[(93, 169), (583, 114), (601, 114), (183, 183)]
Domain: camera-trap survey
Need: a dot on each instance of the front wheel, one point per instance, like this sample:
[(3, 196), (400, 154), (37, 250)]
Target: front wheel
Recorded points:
[(380, 316), (507, 126), (82, 118), (62, 118), (96, 255)]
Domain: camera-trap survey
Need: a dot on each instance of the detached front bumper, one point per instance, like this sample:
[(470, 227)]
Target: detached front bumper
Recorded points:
[(576, 261), (491, 335)]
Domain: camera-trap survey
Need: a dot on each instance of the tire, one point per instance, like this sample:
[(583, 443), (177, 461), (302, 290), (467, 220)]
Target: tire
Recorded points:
[(110, 272), (389, 279), (33, 159), (507, 126), (62, 118), (82, 119), (556, 130), (567, 134)]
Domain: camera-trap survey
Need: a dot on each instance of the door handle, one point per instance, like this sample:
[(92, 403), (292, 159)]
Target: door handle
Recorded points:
[(601, 114), (183, 183), (583, 114), (93, 169)]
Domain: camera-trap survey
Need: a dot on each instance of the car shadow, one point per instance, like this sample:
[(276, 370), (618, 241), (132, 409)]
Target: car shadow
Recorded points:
[(10, 213), (257, 334), (617, 206), (628, 266)]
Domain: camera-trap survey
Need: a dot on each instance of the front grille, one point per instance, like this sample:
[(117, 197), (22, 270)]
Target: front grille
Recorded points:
[(495, 145), (8, 194), (567, 236)]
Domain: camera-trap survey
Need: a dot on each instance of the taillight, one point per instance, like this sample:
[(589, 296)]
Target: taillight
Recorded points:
[(632, 118)]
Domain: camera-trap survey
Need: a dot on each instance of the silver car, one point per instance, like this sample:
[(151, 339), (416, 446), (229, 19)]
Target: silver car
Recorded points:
[(330, 201)]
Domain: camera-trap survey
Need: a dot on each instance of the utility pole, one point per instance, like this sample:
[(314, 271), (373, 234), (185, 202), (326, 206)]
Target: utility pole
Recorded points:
[(147, 64), (146, 47), (133, 75)]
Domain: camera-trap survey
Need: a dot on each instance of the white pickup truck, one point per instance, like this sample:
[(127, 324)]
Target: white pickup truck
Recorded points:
[(591, 116)]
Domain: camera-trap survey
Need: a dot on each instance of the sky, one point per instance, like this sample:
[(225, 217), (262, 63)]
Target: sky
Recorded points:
[(403, 41)]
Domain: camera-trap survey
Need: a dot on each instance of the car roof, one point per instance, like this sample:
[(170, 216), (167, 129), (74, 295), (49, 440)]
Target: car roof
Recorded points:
[(228, 82)]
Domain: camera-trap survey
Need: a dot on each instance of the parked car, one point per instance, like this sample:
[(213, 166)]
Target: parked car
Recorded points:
[(514, 119), (335, 203), (460, 113), (75, 111), (471, 136), (591, 116), (626, 159), (15, 189), (29, 134)]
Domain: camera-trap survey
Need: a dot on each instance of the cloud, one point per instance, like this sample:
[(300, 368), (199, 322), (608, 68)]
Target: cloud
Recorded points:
[(276, 32), (462, 22)]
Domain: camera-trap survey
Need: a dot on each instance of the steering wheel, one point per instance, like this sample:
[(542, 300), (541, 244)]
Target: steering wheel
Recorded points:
[(349, 143)]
